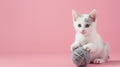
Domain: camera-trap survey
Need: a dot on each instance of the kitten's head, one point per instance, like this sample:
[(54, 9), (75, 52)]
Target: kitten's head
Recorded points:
[(84, 23)]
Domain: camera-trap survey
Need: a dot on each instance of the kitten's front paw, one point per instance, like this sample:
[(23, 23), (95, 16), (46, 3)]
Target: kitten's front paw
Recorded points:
[(89, 49), (74, 46)]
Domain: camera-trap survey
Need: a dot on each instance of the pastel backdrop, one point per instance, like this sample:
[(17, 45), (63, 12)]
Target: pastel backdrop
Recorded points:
[(45, 26)]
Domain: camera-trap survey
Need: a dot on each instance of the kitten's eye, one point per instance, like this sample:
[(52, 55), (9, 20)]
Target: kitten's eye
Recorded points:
[(87, 25), (79, 25)]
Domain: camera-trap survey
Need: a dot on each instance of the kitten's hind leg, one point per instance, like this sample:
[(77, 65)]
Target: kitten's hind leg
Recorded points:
[(98, 61), (104, 55)]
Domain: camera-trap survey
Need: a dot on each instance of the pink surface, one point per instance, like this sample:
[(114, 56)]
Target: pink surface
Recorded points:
[(37, 60), (45, 27)]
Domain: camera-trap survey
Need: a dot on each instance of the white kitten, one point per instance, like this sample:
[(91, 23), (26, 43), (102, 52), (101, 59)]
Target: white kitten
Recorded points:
[(87, 37)]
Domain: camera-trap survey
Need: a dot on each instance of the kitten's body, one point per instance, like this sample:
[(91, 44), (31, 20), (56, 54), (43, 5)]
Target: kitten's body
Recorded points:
[(89, 39)]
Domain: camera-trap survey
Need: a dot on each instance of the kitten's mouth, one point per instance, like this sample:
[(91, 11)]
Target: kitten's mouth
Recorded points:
[(83, 32)]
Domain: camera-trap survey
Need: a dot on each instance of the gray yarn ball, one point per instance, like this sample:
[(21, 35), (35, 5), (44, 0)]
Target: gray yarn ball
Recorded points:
[(80, 57)]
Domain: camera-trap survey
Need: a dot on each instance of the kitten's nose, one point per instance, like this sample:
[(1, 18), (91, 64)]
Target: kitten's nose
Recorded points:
[(83, 31)]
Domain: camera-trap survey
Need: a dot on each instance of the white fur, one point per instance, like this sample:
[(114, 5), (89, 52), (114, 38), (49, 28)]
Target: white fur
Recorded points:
[(91, 40)]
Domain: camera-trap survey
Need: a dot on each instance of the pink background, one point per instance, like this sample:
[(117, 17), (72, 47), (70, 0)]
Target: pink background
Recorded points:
[(45, 26)]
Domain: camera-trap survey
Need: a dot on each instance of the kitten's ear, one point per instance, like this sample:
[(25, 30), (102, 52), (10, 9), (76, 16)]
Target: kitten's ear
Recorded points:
[(93, 14), (75, 15)]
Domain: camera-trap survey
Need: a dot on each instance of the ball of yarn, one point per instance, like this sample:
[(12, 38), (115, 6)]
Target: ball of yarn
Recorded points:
[(80, 57)]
